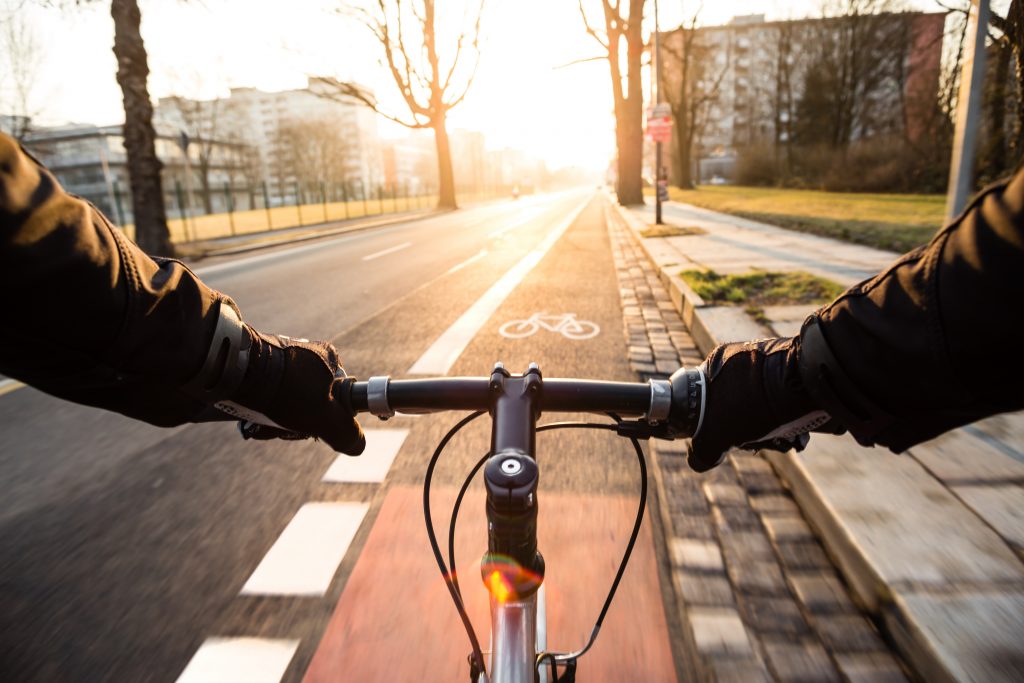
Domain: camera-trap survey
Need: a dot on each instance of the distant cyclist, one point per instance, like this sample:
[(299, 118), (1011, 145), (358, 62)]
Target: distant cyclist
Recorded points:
[(928, 345)]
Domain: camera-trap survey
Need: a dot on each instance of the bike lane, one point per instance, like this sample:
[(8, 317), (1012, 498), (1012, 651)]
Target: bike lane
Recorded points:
[(394, 619)]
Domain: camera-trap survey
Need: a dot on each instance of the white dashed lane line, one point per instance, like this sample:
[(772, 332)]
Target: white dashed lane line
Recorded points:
[(305, 556), (253, 660), (382, 445), (389, 250)]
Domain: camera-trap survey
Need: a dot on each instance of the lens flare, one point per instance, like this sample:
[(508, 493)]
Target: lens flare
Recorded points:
[(499, 587), (507, 580)]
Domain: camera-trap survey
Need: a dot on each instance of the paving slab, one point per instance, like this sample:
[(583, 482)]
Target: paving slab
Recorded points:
[(970, 636), (1001, 506), (732, 244), (963, 456), (890, 523)]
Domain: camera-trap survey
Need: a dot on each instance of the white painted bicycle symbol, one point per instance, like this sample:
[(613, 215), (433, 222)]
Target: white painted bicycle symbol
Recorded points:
[(566, 323)]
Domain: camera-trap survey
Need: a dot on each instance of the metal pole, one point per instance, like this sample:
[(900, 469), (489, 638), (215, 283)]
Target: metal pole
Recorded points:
[(188, 181), (266, 205), (117, 203), (323, 199), (181, 209), (968, 110), (656, 86), (231, 205)]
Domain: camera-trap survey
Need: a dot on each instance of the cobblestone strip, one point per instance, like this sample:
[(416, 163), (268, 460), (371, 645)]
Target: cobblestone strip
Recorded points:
[(759, 596)]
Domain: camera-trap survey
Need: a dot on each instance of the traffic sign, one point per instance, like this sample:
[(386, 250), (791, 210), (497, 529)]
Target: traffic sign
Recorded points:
[(659, 129)]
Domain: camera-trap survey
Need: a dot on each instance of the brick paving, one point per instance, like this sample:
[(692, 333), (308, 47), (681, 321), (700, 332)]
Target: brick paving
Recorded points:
[(758, 597)]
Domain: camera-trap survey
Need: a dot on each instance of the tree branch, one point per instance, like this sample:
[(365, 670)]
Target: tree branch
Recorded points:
[(345, 92), (590, 29)]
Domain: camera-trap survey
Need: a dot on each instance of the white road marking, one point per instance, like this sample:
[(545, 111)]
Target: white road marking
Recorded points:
[(239, 263), (472, 259), (305, 556), (389, 250), (442, 354), (382, 445), (252, 660)]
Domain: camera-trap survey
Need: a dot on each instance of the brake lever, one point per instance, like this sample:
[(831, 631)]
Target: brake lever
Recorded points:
[(641, 429)]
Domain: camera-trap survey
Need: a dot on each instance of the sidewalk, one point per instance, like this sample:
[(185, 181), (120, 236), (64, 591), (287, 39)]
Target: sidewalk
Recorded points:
[(930, 543), (756, 595)]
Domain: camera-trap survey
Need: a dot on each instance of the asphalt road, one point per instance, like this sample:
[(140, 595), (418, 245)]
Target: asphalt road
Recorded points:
[(124, 548)]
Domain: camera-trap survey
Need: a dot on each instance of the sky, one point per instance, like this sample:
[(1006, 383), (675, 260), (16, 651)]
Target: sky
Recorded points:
[(523, 97)]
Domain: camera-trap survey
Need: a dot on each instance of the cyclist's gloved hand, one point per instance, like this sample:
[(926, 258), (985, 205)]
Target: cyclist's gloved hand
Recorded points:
[(754, 399), (294, 389)]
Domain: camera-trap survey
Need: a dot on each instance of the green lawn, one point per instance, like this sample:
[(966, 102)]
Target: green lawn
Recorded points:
[(898, 222), (761, 288)]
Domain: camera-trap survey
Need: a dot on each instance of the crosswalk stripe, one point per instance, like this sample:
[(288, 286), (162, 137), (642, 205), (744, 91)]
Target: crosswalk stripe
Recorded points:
[(382, 445), (305, 556), (252, 660)]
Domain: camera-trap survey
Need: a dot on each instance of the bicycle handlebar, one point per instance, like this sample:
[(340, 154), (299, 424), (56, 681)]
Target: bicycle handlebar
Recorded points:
[(677, 402)]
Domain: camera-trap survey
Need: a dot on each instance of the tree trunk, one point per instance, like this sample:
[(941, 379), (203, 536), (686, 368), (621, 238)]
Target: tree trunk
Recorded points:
[(631, 145), (993, 156), (204, 188), (445, 174), (151, 232), (684, 150)]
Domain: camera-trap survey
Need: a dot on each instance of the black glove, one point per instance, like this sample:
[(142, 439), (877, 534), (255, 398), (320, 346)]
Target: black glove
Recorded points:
[(295, 389), (754, 399)]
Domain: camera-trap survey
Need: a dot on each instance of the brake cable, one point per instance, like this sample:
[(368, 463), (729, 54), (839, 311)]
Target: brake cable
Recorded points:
[(567, 660), (477, 661)]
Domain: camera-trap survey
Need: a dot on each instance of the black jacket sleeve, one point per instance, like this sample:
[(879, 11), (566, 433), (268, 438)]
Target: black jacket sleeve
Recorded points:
[(935, 341), (86, 315)]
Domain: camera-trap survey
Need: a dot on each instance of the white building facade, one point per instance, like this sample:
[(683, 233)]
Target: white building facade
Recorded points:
[(270, 122)]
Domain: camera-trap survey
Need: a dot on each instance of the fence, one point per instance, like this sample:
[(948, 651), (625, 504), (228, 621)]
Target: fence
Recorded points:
[(302, 206)]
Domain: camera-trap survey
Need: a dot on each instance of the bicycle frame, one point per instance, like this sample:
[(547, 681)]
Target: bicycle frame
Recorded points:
[(512, 569)]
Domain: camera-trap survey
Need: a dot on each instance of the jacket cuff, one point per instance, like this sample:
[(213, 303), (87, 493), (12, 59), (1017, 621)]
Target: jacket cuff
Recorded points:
[(834, 391), (226, 360)]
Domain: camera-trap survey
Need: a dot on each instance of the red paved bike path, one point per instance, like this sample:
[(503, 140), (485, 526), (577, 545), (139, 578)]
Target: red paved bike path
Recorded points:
[(395, 620)]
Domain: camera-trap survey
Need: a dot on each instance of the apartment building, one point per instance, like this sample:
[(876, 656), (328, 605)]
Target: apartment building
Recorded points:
[(752, 79), (90, 161), (342, 135)]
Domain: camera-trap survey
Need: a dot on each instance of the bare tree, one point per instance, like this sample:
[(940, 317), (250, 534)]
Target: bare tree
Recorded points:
[(429, 88), (317, 151), (690, 82), (860, 48), (21, 61), (624, 34), (200, 119)]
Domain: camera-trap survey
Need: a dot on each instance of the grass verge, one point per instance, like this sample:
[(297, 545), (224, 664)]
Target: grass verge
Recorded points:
[(897, 222), (672, 231), (761, 288)]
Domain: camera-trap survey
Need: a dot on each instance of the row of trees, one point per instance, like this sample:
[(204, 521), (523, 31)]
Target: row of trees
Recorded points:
[(822, 96), (432, 78), (851, 100)]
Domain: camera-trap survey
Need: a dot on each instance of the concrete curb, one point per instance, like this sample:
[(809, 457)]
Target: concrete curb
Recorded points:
[(949, 619), (265, 240), (709, 325)]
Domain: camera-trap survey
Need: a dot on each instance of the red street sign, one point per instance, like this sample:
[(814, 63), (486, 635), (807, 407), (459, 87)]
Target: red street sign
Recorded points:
[(660, 129)]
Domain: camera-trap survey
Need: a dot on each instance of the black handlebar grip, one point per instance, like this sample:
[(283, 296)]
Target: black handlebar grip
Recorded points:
[(688, 395)]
